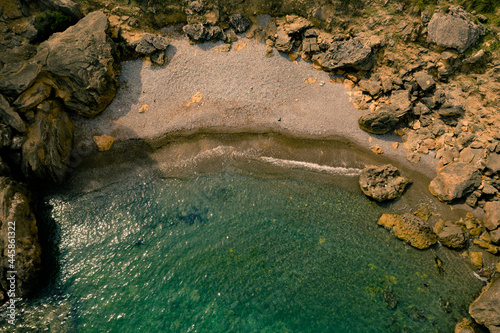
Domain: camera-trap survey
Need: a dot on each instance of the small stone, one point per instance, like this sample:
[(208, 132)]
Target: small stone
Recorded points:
[(348, 84), (196, 98), (144, 108), (240, 46), (476, 258), (395, 145), (492, 215), (104, 142), (293, 55), (377, 150), (487, 246), (223, 48)]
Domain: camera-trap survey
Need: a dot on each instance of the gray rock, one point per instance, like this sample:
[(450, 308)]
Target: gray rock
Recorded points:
[(400, 101), (10, 117), (310, 45), (424, 80), (379, 122), (455, 181), (239, 22), (295, 24), (46, 151), (491, 218), (382, 183), (16, 78), (81, 65), (15, 206), (352, 53), (486, 308), (454, 30), (450, 234), (451, 109), (196, 32), (149, 44), (159, 58)]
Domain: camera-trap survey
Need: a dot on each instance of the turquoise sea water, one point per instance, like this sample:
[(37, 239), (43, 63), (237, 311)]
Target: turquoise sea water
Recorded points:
[(235, 253)]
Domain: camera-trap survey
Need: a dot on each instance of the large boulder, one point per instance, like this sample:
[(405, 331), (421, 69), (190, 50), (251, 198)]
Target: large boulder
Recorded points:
[(492, 215), (46, 151), (379, 122), (382, 182), (454, 181), (81, 65), (486, 308), (15, 207), (454, 30), (352, 53), (410, 228)]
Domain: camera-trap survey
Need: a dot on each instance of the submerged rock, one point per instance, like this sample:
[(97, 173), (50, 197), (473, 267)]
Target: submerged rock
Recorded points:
[(455, 181), (382, 183), (486, 308), (81, 65), (454, 30), (15, 207), (352, 53), (464, 326), (409, 228), (46, 151)]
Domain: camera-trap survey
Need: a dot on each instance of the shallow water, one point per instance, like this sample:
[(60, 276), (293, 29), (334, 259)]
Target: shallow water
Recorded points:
[(236, 253)]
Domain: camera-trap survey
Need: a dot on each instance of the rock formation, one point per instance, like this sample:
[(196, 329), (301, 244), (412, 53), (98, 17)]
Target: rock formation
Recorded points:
[(486, 308), (455, 181), (382, 183), (409, 228)]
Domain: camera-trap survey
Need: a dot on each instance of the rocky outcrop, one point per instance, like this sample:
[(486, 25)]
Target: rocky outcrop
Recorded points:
[(486, 308), (15, 207), (81, 65), (382, 183), (409, 228), (239, 22), (46, 151), (450, 234), (454, 30), (352, 53), (150, 45), (454, 181)]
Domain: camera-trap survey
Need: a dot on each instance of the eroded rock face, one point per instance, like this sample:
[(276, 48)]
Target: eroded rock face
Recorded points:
[(486, 308), (15, 207), (80, 64), (382, 183), (352, 53), (409, 228), (454, 30), (455, 181), (46, 151)]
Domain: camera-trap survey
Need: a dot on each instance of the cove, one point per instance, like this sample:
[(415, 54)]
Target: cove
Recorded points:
[(250, 246)]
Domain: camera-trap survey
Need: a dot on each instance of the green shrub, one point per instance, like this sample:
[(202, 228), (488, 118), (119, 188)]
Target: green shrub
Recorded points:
[(50, 22), (481, 6), (421, 5)]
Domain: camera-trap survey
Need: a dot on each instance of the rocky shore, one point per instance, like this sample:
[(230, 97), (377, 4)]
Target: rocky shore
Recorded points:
[(427, 79)]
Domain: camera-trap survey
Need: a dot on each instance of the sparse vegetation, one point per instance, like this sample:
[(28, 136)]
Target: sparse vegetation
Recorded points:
[(50, 22), (481, 6)]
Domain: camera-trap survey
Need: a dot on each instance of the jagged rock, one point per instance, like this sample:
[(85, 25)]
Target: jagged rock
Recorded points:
[(295, 24), (15, 207), (379, 122), (454, 30), (400, 101), (382, 183), (450, 234), (239, 22), (159, 58), (81, 65), (104, 142), (464, 326), (310, 45), (46, 151), (149, 44), (486, 308), (451, 109), (32, 97), (68, 7), (283, 42), (10, 117), (409, 228), (455, 181), (492, 215), (475, 58), (16, 78), (424, 80), (196, 32), (371, 87), (352, 53)]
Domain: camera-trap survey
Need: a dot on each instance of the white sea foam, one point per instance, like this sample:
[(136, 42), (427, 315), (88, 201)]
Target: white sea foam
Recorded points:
[(311, 166)]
